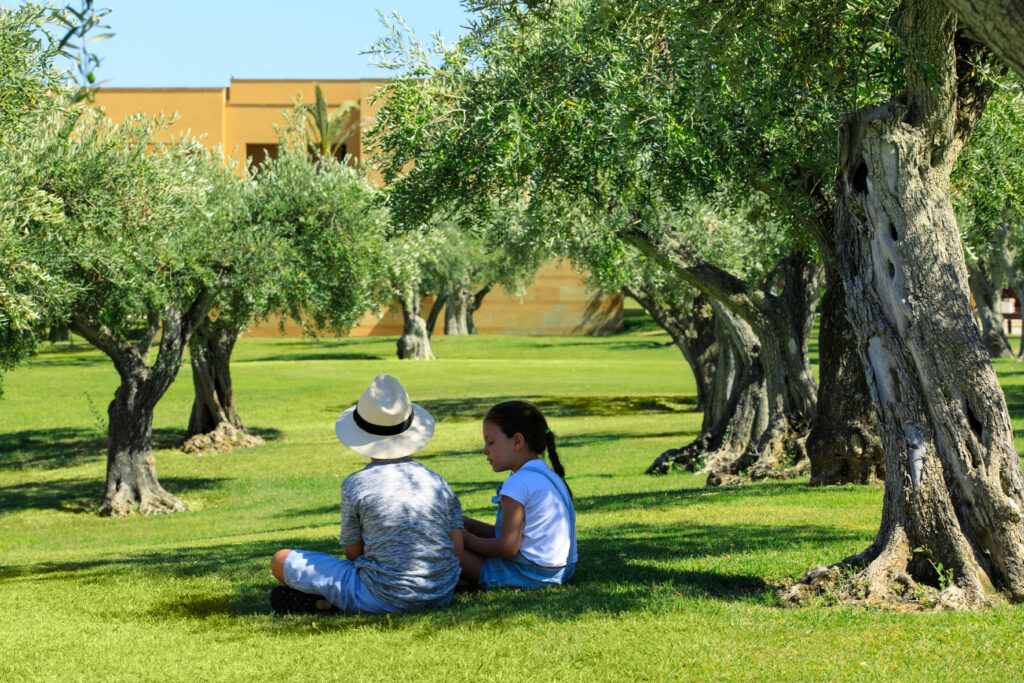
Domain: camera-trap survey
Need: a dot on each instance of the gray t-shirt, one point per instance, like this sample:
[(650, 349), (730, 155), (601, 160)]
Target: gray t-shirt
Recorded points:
[(403, 513)]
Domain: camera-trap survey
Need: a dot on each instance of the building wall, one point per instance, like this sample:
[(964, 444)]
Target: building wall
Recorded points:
[(244, 115)]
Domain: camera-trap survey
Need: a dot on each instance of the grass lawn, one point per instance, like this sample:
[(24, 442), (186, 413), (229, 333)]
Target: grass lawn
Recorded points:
[(675, 581)]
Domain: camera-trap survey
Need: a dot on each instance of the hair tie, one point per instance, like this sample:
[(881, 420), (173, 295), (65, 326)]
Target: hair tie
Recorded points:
[(547, 431)]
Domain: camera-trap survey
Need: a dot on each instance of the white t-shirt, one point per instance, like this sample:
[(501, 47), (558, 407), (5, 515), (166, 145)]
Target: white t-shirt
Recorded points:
[(547, 529)]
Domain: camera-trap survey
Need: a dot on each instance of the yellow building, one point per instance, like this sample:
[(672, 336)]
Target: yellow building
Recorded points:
[(241, 119)]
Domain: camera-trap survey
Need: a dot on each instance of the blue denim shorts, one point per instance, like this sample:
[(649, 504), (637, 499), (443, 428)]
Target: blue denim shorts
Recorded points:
[(520, 572), (332, 577)]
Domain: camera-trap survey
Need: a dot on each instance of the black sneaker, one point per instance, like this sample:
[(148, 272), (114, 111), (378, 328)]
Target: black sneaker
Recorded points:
[(287, 600)]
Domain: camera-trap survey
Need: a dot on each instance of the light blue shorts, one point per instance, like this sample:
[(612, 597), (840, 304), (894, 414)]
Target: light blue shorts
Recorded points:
[(520, 572), (332, 577)]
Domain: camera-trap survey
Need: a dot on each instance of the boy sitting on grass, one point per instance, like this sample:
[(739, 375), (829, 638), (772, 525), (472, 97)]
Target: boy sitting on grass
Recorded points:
[(400, 522)]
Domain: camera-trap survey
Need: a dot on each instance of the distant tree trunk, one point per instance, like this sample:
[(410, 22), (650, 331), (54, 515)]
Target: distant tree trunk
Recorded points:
[(456, 311), (780, 316), (1009, 265), (214, 401), (843, 446), (214, 424), (954, 490), (986, 287), (435, 311), (131, 470), (414, 343), (478, 301)]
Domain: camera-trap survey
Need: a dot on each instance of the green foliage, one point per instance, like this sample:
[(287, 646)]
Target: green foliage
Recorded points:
[(988, 180), (322, 239)]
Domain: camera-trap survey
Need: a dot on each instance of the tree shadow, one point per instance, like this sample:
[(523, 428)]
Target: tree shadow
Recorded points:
[(334, 355), (622, 570), (51, 448), (82, 495), (474, 408)]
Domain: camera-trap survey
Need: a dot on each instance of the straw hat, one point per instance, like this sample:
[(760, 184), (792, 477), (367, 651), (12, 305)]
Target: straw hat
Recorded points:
[(385, 424)]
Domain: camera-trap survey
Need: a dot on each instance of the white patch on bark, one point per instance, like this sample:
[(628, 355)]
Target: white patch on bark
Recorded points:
[(881, 366), (791, 344), (915, 453)]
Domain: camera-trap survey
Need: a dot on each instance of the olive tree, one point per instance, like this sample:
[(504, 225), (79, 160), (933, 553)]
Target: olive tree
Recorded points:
[(319, 260)]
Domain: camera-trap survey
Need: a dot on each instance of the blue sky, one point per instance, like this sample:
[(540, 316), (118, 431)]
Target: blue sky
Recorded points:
[(193, 43)]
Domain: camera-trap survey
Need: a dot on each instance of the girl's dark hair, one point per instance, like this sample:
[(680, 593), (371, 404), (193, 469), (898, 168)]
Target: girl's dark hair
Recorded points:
[(524, 418)]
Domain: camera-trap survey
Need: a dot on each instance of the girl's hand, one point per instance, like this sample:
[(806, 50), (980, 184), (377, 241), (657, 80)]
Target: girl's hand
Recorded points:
[(513, 518)]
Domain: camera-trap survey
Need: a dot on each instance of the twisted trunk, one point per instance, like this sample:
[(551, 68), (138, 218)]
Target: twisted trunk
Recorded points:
[(478, 301), (456, 311), (131, 471), (214, 401), (954, 489), (780, 316), (414, 343), (843, 445)]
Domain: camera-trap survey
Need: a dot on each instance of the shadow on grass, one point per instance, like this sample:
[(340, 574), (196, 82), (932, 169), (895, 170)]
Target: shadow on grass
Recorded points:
[(474, 408), (51, 448), (82, 495), (624, 570)]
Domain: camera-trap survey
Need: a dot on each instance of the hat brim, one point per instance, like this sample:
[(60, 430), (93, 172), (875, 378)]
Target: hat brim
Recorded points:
[(391, 447)]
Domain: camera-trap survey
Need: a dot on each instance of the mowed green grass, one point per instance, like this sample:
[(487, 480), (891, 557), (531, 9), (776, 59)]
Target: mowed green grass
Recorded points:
[(676, 581)]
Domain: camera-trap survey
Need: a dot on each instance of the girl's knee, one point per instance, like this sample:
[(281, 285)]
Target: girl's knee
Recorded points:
[(277, 564)]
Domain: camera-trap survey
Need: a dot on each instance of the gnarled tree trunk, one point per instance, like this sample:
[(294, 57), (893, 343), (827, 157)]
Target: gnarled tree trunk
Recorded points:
[(954, 490), (131, 470), (843, 445), (214, 401), (214, 424), (478, 301), (414, 343), (781, 316), (456, 311)]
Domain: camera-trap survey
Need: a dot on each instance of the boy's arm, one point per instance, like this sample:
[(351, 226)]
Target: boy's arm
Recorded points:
[(513, 518)]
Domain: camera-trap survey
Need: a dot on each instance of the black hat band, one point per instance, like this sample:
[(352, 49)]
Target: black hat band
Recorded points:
[(382, 430)]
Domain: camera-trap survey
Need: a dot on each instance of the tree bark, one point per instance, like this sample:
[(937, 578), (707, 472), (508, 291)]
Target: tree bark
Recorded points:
[(999, 24), (954, 489), (843, 445), (214, 401), (414, 343), (781, 316), (986, 287), (456, 311), (478, 301), (131, 471), (435, 311)]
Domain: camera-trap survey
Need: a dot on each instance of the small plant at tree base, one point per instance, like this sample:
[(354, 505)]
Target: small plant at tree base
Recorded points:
[(945, 574)]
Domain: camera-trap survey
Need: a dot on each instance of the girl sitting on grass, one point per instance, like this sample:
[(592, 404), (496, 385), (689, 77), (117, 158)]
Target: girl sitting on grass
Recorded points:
[(533, 541)]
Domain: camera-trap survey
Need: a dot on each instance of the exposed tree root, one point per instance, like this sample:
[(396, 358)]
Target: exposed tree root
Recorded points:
[(151, 500), (896, 577), (223, 438)]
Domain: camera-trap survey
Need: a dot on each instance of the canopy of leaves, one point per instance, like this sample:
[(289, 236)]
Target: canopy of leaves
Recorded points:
[(322, 234)]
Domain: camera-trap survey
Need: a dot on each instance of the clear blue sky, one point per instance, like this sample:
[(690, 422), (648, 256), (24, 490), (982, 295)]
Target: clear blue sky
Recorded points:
[(193, 43)]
